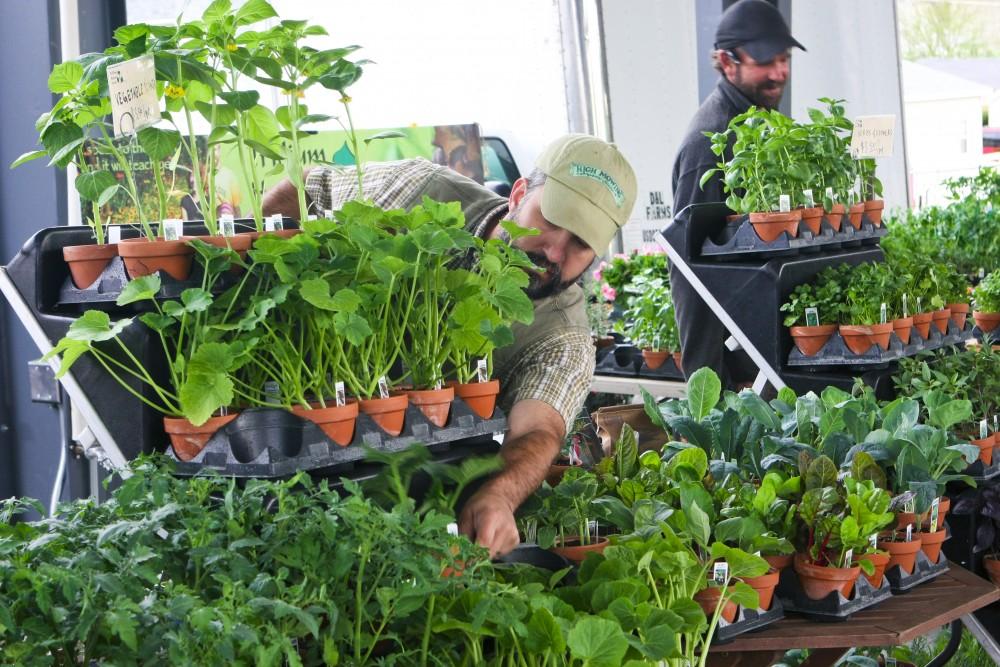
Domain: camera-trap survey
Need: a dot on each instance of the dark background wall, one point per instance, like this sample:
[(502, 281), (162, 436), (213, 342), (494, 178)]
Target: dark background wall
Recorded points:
[(31, 197)]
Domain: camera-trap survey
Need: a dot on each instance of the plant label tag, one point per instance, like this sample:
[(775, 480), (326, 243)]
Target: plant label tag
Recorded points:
[(935, 509), (830, 195), (909, 532), (328, 213), (227, 225), (873, 541), (910, 506), (438, 384), (812, 317), (920, 304), (273, 223), (132, 91), (996, 423), (312, 217), (114, 234), (172, 229), (339, 390), (982, 273), (271, 390), (906, 307), (720, 573), (884, 314), (656, 342), (983, 430), (162, 534), (872, 136), (453, 529), (848, 557), (481, 371), (784, 203), (383, 387), (808, 196)]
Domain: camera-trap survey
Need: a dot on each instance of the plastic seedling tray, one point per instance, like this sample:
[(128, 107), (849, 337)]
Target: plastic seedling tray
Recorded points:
[(266, 442), (666, 371), (738, 240), (978, 334), (923, 571), (836, 353), (748, 620), (619, 360), (834, 607)]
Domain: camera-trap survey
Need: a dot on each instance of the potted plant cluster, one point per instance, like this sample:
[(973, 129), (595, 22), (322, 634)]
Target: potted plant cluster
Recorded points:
[(614, 275), (648, 319), (987, 300), (806, 165)]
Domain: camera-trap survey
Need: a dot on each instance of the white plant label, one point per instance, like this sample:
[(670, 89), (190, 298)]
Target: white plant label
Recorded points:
[(720, 573), (996, 423), (920, 305), (312, 217), (274, 223), (453, 529), (983, 429), (848, 557), (114, 234), (172, 229), (935, 510), (784, 203), (884, 314), (339, 391), (481, 371), (132, 91), (982, 273), (830, 195), (328, 213), (873, 541), (438, 383), (872, 136), (383, 387), (910, 506), (808, 196), (812, 317), (909, 532), (906, 307), (271, 390), (656, 342), (227, 225)]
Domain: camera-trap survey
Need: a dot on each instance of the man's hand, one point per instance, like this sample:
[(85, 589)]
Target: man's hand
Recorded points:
[(488, 520)]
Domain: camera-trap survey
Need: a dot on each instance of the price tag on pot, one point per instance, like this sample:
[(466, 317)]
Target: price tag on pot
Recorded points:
[(983, 430), (996, 423), (808, 196), (383, 387), (312, 217), (848, 557), (982, 273), (720, 573), (172, 229), (339, 389), (482, 371), (784, 203), (872, 136), (935, 510), (812, 317), (114, 234), (132, 92), (909, 532), (274, 223), (227, 224), (884, 314), (920, 304), (656, 342), (906, 307)]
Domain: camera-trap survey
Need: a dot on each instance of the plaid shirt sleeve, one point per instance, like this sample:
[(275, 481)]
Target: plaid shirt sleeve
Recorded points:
[(556, 370), (389, 185)]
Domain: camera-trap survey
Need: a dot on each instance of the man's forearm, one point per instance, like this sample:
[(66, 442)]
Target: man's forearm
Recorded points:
[(526, 461)]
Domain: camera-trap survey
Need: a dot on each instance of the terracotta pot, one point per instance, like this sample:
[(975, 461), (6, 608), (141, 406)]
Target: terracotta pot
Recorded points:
[(575, 552), (904, 519), (86, 262), (769, 226), (336, 421), (811, 340), (881, 333), (818, 581), (764, 585), (992, 566), (434, 403), (880, 560), (858, 338), (708, 599), (481, 397), (779, 561), (676, 356), (986, 446), (930, 544), (873, 211), (902, 327), (388, 413), (655, 358), (188, 439), (143, 257), (854, 214), (940, 319), (903, 554), (959, 313), (601, 342), (922, 322), (986, 322), (813, 218), (835, 216)]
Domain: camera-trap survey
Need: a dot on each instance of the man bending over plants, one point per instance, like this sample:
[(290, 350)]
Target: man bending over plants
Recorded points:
[(580, 193)]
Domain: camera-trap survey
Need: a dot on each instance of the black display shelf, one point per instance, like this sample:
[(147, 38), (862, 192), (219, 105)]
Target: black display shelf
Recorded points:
[(834, 607)]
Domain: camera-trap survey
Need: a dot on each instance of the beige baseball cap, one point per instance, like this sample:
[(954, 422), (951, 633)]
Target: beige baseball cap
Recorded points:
[(590, 189)]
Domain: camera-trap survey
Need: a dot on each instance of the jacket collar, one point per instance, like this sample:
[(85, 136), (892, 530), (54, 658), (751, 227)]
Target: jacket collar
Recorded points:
[(733, 96)]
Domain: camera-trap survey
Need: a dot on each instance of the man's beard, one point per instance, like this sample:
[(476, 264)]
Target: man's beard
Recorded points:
[(548, 280), (756, 94)]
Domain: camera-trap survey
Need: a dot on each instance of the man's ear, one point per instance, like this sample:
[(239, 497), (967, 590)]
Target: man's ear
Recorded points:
[(517, 192)]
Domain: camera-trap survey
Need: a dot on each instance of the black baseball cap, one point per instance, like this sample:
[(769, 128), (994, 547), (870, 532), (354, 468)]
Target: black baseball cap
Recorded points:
[(757, 27)]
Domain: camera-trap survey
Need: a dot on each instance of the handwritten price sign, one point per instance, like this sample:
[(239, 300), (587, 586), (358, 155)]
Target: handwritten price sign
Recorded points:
[(873, 136)]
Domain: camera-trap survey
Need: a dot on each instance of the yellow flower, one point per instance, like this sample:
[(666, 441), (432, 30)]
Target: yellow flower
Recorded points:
[(299, 93), (231, 46), (174, 92), (346, 99)]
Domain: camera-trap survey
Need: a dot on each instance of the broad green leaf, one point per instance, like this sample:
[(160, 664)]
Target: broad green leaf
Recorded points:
[(159, 144), (92, 184), (27, 157), (56, 137), (262, 126), (139, 289), (598, 642), (253, 11), (95, 326), (240, 100), (352, 326), (704, 390), (65, 77)]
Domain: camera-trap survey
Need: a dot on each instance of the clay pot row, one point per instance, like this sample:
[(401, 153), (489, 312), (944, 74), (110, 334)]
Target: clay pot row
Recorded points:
[(986, 446), (860, 338), (338, 421), (143, 257), (655, 358), (769, 226)]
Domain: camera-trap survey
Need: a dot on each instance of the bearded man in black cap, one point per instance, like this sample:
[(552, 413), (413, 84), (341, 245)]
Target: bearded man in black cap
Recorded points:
[(752, 45)]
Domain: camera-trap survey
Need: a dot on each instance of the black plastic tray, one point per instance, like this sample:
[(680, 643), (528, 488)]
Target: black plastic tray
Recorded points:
[(980, 472), (748, 620), (267, 442), (620, 360), (923, 571), (978, 334), (834, 607), (836, 353), (738, 240)]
